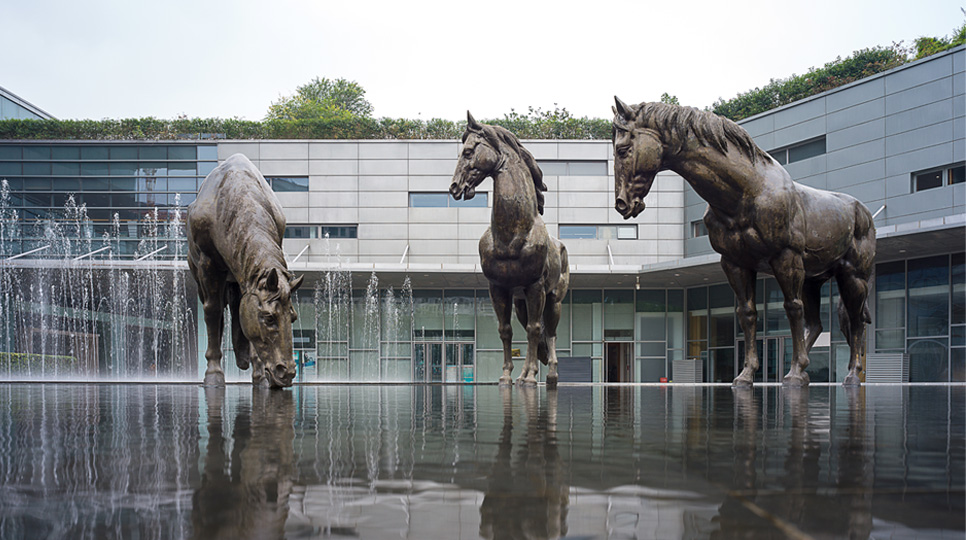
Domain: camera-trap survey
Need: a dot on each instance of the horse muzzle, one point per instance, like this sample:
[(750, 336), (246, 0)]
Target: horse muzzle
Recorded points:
[(281, 374), (631, 210)]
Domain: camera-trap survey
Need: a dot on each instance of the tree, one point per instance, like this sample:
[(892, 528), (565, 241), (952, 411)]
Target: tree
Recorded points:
[(322, 98), (669, 99)]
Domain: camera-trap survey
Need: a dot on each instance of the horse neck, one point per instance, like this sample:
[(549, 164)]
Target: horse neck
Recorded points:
[(514, 201), (722, 180), (267, 256)]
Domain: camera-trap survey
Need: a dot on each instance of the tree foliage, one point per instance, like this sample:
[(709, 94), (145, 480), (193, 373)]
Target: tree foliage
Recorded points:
[(926, 46), (322, 98), (861, 64), (556, 124), (669, 99)]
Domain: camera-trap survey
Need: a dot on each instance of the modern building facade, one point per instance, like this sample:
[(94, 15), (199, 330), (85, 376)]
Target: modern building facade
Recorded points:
[(394, 289)]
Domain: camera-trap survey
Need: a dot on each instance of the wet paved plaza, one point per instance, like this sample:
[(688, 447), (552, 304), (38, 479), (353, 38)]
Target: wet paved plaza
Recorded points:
[(402, 461)]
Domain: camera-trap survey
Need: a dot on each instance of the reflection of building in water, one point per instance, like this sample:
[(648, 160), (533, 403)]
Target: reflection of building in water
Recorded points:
[(452, 461)]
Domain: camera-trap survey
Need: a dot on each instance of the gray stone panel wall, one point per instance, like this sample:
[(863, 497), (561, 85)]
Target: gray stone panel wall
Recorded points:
[(367, 183), (879, 131)]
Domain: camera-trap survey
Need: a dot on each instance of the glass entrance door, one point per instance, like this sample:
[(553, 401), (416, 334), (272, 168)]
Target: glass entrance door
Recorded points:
[(460, 363), (770, 356), (428, 362)]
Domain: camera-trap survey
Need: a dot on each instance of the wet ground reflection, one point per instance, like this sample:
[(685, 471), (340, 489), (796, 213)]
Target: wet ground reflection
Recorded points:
[(139, 461)]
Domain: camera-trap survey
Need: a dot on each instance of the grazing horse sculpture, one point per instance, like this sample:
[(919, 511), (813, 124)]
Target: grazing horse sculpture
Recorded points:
[(525, 266), (235, 229), (758, 219)]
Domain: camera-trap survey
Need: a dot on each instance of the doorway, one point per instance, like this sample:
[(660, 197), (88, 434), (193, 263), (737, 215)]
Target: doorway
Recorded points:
[(618, 362), (428, 362), (459, 363)]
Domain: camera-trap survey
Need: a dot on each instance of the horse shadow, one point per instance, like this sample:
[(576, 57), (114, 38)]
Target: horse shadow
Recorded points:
[(526, 496), (245, 485)]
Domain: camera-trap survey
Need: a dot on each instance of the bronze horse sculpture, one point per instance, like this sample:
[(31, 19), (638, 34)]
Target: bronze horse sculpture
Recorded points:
[(758, 219), (525, 266), (235, 229)]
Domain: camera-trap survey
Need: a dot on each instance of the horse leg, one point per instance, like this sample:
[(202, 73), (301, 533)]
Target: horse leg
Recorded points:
[(211, 291), (244, 352), (239, 342), (502, 300), (551, 317), (853, 316), (812, 300), (742, 281), (536, 300), (790, 273)]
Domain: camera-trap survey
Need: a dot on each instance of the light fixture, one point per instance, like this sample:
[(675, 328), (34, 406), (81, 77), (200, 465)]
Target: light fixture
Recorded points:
[(637, 282)]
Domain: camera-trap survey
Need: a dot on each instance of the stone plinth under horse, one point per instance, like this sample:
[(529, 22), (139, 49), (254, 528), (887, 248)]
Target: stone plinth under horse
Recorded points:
[(525, 266), (235, 230), (758, 219)]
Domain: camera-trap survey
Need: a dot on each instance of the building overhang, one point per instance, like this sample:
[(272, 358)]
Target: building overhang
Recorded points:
[(893, 242)]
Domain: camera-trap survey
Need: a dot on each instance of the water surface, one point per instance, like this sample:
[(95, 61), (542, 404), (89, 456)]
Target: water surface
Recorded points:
[(179, 461)]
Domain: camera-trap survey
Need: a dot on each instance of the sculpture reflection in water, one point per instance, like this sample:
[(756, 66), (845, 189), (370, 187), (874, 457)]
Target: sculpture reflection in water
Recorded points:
[(245, 487), (758, 219), (793, 505), (526, 494)]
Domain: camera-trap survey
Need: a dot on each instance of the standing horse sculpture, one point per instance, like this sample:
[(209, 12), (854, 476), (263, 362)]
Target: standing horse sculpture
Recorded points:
[(235, 230), (758, 219), (525, 266)]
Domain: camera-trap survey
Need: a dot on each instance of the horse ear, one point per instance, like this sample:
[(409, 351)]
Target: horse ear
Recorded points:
[(624, 109), (471, 122), (271, 282), (296, 283)]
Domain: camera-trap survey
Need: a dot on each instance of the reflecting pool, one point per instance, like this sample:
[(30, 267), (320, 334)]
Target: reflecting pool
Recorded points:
[(465, 461)]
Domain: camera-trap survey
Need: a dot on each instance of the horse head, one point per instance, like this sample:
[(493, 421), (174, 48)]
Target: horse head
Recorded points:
[(479, 158), (267, 315), (638, 156)]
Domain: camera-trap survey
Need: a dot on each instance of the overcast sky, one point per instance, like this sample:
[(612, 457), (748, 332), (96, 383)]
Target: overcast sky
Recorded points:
[(212, 58)]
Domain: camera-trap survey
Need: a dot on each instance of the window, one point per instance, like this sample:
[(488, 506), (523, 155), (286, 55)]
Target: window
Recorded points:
[(301, 231), (942, 176), (288, 183), (698, 229), (599, 232), (800, 151), (340, 231), (573, 168), (444, 200)]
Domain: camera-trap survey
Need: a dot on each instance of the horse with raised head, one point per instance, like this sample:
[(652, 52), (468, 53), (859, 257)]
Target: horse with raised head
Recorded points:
[(235, 229), (525, 266), (758, 219)]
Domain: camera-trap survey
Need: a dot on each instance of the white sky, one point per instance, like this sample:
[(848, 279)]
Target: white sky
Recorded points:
[(429, 59)]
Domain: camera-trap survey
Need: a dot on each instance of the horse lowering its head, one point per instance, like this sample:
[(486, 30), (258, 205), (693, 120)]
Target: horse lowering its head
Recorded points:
[(235, 230), (486, 150), (647, 138), (266, 316)]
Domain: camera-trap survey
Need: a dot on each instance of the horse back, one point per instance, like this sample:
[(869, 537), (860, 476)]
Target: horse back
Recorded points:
[(235, 211)]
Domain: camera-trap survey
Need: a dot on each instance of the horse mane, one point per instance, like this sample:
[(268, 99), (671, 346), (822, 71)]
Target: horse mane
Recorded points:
[(497, 134), (710, 129)]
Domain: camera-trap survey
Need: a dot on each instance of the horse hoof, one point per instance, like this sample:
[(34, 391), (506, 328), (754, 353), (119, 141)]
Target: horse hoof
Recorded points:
[(506, 381), (742, 382), (261, 382), (797, 381), (214, 379), (852, 380), (551, 381), (526, 382)]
